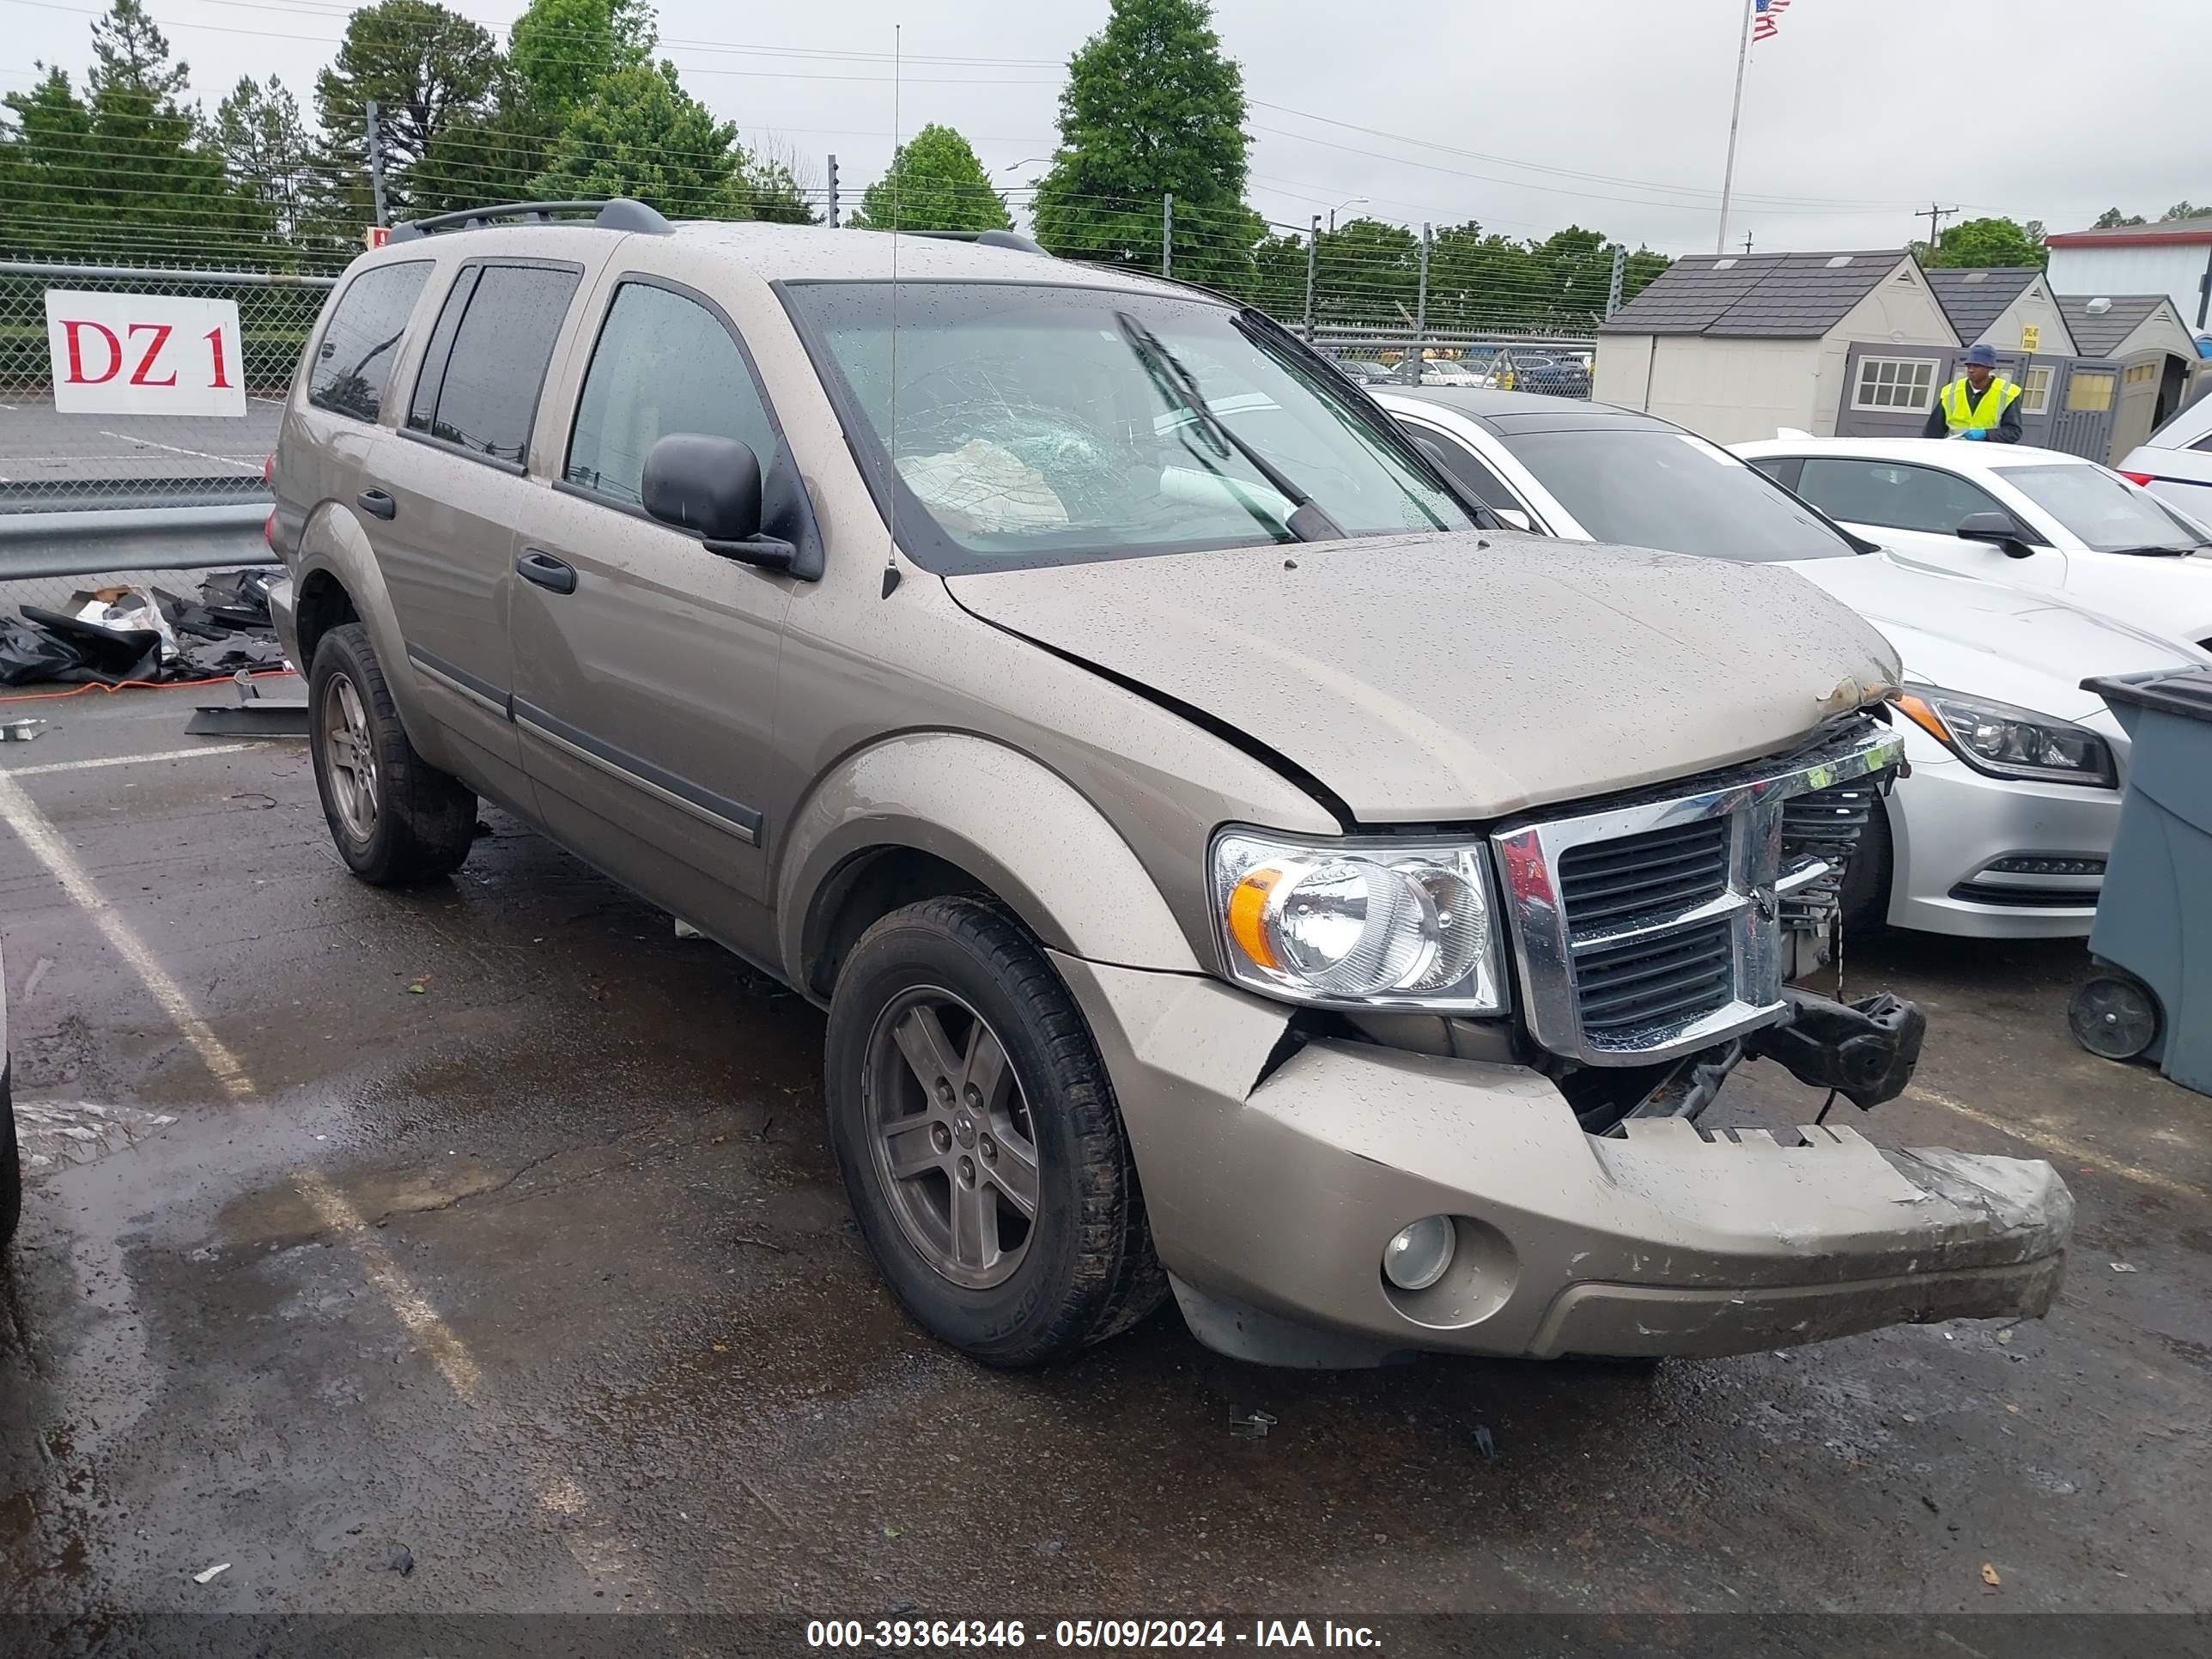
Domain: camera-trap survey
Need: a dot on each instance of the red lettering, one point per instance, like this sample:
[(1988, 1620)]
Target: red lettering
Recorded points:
[(160, 332), (76, 375), (215, 344)]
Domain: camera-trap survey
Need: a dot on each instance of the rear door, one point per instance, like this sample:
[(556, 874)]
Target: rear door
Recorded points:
[(454, 488), (645, 666), (1918, 510)]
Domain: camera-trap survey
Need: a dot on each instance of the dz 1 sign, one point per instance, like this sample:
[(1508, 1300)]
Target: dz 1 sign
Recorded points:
[(143, 354)]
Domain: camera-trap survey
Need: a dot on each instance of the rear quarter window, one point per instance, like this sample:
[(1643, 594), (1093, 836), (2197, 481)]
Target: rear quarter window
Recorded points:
[(352, 367)]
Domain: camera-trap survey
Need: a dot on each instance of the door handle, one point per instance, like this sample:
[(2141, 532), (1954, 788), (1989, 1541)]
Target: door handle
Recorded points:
[(377, 503), (545, 570)]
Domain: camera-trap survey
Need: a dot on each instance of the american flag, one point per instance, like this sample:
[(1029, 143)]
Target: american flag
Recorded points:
[(1766, 22)]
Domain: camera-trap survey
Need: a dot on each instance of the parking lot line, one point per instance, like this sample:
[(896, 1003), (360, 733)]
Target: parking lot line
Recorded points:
[(123, 760), (2060, 1146), (560, 1494), (200, 455)]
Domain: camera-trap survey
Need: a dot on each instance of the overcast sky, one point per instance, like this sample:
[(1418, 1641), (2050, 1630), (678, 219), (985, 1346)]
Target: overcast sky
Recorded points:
[(1527, 115)]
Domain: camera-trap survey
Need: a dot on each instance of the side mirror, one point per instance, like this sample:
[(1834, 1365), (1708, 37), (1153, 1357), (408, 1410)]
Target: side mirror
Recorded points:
[(712, 487), (2000, 530), (1515, 518)]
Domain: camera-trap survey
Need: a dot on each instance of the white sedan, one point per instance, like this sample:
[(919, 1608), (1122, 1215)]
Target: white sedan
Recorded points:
[(2033, 517), (2002, 828)]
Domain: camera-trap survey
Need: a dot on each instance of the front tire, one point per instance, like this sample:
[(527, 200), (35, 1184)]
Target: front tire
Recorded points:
[(396, 819), (11, 1161), (979, 1142), (1868, 877)]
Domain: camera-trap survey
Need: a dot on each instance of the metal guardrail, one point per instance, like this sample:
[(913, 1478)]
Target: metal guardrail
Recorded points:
[(90, 542)]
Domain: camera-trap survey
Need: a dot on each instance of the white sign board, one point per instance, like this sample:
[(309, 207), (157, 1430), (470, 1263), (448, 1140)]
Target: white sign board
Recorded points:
[(144, 353)]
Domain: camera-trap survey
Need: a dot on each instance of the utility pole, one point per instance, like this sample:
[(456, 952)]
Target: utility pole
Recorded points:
[(1613, 288), (1167, 234), (376, 165), (1421, 297), (1313, 253), (1747, 241), (1735, 120), (833, 193), (1935, 215)]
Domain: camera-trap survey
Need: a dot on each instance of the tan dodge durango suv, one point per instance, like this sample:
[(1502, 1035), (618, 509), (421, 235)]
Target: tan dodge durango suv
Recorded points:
[(1234, 866)]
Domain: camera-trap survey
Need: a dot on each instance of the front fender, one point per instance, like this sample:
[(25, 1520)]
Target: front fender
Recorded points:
[(1015, 825), (332, 541)]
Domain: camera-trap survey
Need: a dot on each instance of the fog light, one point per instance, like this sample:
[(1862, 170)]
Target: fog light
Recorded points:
[(1417, 1257)]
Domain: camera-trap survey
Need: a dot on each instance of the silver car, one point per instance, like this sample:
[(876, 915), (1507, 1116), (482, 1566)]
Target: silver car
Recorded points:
[(1230, 870)]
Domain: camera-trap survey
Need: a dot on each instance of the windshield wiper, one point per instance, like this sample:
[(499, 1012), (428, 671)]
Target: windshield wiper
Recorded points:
[(2160, 550), (1309, 522)]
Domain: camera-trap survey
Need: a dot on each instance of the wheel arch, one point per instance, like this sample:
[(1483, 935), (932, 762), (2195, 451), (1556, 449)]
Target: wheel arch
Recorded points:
[(927, 813), (335, 580)]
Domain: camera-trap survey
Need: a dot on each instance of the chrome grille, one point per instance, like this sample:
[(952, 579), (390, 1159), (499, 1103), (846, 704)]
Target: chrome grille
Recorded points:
[(1603, 883), (1624, 989), (1651, 926)]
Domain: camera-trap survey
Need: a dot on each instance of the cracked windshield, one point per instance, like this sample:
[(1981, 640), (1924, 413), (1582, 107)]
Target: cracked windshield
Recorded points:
[(1033, 426)]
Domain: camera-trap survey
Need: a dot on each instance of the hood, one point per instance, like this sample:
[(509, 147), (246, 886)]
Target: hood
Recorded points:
[(2029, 648), (1434, 678)]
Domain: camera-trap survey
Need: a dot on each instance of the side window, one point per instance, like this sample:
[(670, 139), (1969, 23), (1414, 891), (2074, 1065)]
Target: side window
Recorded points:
[(353, 365), (1896, 497), (663, 364), (1486, 486), (1783, 468), (486, 400), (423, 406)]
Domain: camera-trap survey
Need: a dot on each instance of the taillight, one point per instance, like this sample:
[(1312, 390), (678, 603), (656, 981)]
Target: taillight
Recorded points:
[(2142, 478), (268, 468), (269, 531)]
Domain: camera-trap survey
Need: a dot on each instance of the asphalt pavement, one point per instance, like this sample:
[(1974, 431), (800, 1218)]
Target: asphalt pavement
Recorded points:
[(478, 1251), (40, 448)]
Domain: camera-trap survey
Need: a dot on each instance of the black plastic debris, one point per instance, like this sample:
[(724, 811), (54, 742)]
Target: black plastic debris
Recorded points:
[(109, 655), (29, 655), (118, 634)]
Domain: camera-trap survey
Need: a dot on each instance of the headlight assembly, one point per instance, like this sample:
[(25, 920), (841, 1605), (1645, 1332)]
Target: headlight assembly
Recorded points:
[(2010, 742), (1368, 924)]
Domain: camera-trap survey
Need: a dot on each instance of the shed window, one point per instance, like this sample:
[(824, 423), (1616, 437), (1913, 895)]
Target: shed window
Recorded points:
[(2035, 391), (1906, 384), (2141, 372), (2088, 394)]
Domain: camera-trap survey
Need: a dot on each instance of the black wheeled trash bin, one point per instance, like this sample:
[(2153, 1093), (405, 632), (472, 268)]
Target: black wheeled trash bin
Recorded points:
[(2152, 941)]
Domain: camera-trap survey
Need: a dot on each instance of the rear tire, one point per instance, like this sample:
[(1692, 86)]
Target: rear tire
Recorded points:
[(396, 819), (960, 1074)]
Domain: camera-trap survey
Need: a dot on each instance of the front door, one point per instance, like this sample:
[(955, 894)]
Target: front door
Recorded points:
[(2087, 405), (645, 666), (1918, 510), (452, 489)]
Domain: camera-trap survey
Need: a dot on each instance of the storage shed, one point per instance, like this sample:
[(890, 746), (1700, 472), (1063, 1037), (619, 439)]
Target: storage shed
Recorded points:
[(2010, 307), (1737, 346), (2142, 333)]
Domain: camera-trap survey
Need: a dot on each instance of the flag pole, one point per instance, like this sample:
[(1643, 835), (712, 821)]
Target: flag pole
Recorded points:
[(1735, 120)]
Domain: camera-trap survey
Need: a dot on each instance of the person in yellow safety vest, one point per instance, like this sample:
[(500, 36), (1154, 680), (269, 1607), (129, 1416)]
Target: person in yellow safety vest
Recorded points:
[(1981, 404)]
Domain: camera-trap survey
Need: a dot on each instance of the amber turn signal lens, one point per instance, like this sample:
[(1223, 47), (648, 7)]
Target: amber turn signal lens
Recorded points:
[(1248, 911)]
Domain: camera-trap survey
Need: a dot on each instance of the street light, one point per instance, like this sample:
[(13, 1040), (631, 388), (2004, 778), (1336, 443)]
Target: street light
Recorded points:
[(1356, 201)]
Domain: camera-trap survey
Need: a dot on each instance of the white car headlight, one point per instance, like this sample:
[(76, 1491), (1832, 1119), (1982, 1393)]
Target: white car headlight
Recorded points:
[(1368, 924), (2007, 742)]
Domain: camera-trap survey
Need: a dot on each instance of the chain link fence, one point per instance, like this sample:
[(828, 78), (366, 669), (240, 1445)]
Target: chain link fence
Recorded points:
[(1559, 366)]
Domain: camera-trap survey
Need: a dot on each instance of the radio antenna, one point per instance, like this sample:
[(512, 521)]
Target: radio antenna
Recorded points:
[(891, 484)]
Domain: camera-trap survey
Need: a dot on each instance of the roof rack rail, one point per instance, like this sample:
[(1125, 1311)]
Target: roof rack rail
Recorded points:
[(1012, 239), (616, 213)]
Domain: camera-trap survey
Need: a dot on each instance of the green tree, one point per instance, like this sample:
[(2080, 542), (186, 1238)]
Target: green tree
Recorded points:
[(1366, 273), (2113, 219), (124, 169), (1152, 107), (769, 189), (425, 68), (482, 156), (2183, 209), (560, 51), (266, 150), (643, 135), (934, 183), (1982, 244)]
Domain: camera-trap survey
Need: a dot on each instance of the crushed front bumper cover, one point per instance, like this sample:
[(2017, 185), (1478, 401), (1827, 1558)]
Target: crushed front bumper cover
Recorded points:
[(1271, 1202)]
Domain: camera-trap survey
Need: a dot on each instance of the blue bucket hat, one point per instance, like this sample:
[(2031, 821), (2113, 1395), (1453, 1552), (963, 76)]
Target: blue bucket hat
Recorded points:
[(1981, 356)]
